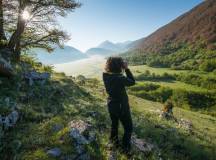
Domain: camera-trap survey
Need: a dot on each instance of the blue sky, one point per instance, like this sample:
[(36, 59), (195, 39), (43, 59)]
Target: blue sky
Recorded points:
[(120, 20)]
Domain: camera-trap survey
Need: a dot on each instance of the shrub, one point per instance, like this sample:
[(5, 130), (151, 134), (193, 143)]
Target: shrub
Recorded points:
[(193, 100), (208, 65)]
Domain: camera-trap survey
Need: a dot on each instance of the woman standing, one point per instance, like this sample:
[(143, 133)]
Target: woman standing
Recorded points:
[(118, 105)]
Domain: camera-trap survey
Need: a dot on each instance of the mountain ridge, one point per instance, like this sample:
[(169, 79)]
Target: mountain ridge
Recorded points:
[(198, 24), (59, 55)]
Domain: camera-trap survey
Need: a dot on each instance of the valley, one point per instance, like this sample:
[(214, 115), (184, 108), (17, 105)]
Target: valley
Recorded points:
[(53, 106)]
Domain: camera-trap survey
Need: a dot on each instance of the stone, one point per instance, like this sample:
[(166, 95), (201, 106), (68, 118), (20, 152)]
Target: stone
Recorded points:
[(55, 152), (112, 155), (13, 117), (80, 139), (36, 76), (185, 124), (57, 127), (141, 144), (92, 113), (10, 120), (80, 125)]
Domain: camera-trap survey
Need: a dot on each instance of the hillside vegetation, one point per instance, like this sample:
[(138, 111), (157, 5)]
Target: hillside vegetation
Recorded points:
[(47, 110)]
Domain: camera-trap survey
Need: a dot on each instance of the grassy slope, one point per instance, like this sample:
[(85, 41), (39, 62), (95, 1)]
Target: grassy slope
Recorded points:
[(171, 84), (138, 69), (173, 141), (63, 99)]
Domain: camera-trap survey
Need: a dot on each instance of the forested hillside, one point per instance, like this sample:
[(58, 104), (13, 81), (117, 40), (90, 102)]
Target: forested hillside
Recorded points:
[(188, 42)]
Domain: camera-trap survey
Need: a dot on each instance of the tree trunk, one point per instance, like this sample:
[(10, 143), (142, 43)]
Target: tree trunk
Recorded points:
[(16, 36), (2, 33), (17, 52)]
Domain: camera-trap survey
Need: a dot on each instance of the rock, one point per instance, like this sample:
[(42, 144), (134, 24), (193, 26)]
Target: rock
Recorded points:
[(36, 76), (57, 127), (13, 117), (55, 152), (112, 155), (10, 120), (141, 144), (80, 125), (185, 124), (7, 101), (83, 134), (92, 113), (80, 139)]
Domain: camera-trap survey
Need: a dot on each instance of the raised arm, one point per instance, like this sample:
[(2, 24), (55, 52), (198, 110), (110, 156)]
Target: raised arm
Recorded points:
[(129, 79)]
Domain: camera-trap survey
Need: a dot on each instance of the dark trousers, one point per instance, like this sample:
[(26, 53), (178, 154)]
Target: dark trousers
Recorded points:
[(120, 112)]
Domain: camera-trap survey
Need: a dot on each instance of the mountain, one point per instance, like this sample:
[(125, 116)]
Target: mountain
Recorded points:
[(59, 55), (107, 48), (198, 24), (124, 45), (99, 51)]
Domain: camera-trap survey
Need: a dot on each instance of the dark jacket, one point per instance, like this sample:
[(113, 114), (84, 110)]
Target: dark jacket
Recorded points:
[(115, 85)]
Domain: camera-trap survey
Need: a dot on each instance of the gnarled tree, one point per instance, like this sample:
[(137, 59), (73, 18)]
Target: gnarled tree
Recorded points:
[(40, 28)]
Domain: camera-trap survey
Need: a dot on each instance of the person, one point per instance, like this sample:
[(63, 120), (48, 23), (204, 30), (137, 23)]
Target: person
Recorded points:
[(117, 101)]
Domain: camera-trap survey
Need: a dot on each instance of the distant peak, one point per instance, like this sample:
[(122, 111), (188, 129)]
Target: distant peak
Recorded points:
[(106, 42)]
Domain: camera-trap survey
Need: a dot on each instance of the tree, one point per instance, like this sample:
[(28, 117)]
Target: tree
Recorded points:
[(34, 23), (2, 32)]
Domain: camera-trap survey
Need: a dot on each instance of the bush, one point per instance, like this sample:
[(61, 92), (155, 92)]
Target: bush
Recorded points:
[(151, 91), (193, 100), (198, 80), (145, 87), (154, 77), (208, 65)]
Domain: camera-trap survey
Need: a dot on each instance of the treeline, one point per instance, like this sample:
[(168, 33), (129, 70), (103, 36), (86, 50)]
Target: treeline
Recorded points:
[(195, 100), (184, 58), (200, 80)]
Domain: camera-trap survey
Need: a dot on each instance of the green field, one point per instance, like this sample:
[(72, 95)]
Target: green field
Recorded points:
[(175, 85), (141, 68)]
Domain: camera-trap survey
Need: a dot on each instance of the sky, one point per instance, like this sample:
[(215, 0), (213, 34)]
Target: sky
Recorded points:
[(120, 20)]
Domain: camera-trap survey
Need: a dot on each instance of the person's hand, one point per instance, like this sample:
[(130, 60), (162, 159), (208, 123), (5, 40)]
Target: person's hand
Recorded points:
[(125, 65)]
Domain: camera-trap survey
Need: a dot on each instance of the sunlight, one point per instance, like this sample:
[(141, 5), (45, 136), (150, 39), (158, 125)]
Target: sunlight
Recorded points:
[(25, 15)]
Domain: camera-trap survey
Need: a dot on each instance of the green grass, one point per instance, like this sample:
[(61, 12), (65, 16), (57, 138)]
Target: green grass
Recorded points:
[(175, 85), (200, 144), (141, 68), (63, 99)]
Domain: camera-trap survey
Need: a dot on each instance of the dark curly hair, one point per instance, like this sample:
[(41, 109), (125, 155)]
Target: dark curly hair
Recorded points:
[(114, 65)]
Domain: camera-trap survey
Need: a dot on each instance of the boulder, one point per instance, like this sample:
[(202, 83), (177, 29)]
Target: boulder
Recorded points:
[(54, 152), (141, 144), (36, 76), (57, 127), (185, 124), (83, 134), (10, 120), (80, 139), (80, 125)]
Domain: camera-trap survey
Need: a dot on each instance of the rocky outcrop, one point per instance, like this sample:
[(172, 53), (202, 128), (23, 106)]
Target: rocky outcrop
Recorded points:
[(141, 144), (34, 76), (9, 120), (54, 152), (83, 134)]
